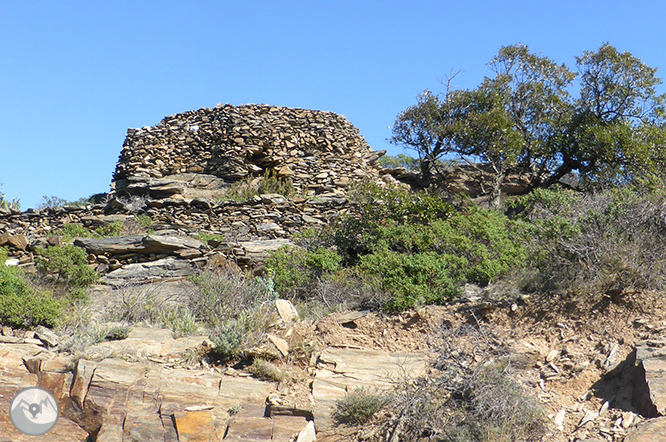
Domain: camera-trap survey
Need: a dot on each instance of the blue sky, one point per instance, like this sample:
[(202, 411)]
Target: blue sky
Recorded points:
[(76, 74)]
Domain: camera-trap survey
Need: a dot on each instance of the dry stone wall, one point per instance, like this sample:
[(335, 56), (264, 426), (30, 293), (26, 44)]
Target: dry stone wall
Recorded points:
[(190, 153), (178, 172)]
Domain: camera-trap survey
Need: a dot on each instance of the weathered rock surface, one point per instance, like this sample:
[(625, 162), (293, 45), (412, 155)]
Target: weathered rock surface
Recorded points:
[(653, 430), (163, 268), (316, 150), (14, 376), (138, 244), (342, 370), (650, 394), (114, 400)]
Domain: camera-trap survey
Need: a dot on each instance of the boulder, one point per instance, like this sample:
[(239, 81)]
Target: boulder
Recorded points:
[(653, 430), (162, 268), (144, 244), (650, 388)]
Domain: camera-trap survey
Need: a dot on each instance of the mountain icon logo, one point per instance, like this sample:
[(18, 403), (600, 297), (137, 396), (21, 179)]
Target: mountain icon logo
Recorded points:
[(34, 411)]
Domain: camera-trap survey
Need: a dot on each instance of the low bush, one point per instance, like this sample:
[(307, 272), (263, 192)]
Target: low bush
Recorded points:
[(462, 402), (607, 242), (115, 228), (143, 305), (72, 231), (358, 407), (267, 370), (415, 246), (21, 305), (296, 271), (69, 264), (237, 308)]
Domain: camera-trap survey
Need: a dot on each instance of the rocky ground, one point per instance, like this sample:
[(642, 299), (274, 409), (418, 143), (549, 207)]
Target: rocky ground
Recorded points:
[(597, 367)]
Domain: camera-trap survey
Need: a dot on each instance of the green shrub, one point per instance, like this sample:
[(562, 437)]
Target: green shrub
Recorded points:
[(136, 225), (71, 231), (605, 242), (229, 336), (419, 279), (236, 308), (69, 263), (179, 319), (115, 228), (377, 206), (359, 407), (20, 304), (205, 237), (415, 246), (117, 333), (270, 183), (296, 271)]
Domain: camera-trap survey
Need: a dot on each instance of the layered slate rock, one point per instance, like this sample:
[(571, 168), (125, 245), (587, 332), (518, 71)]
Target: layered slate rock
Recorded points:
[(138, 244), (653, 430), (113, 400), (199, 153), (342, 370), (650, 390)]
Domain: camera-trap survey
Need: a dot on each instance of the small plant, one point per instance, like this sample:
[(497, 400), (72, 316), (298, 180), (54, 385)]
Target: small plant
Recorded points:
[(233, 411), (359, 407), (143, 305), (144, 221), (250, 187), (115, 228), (72, 231), (229, 337), (296, 271), (180, 320), (51, 202), (117, 333), (267, 371), (68, 263)]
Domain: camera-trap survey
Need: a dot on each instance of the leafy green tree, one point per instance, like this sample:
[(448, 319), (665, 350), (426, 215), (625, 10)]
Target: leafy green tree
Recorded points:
[(618, 125), (524, 120)]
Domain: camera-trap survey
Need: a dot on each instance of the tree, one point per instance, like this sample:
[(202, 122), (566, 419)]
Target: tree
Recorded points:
[(524, 120), (422, 128)]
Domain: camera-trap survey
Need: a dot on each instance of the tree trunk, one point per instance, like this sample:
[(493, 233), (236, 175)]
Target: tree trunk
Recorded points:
[(496, 182), (496, 190)]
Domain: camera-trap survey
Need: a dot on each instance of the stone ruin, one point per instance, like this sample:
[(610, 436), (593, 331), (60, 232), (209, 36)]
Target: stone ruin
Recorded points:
[(201, 153), (178, 173)]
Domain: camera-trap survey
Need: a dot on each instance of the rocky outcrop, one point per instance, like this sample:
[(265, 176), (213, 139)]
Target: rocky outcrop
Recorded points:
[(200, 153), (113, 400)]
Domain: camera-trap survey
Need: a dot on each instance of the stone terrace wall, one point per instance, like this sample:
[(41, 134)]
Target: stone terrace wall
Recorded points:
[(319, 151)]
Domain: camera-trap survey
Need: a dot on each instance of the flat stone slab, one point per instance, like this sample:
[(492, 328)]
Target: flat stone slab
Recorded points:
[(261, 248), (145, 342), (342, 370), (144, 244), (160, 269), (653, 430)]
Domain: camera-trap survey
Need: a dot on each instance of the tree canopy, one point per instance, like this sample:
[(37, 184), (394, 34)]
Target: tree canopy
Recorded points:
[(526, 120)]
